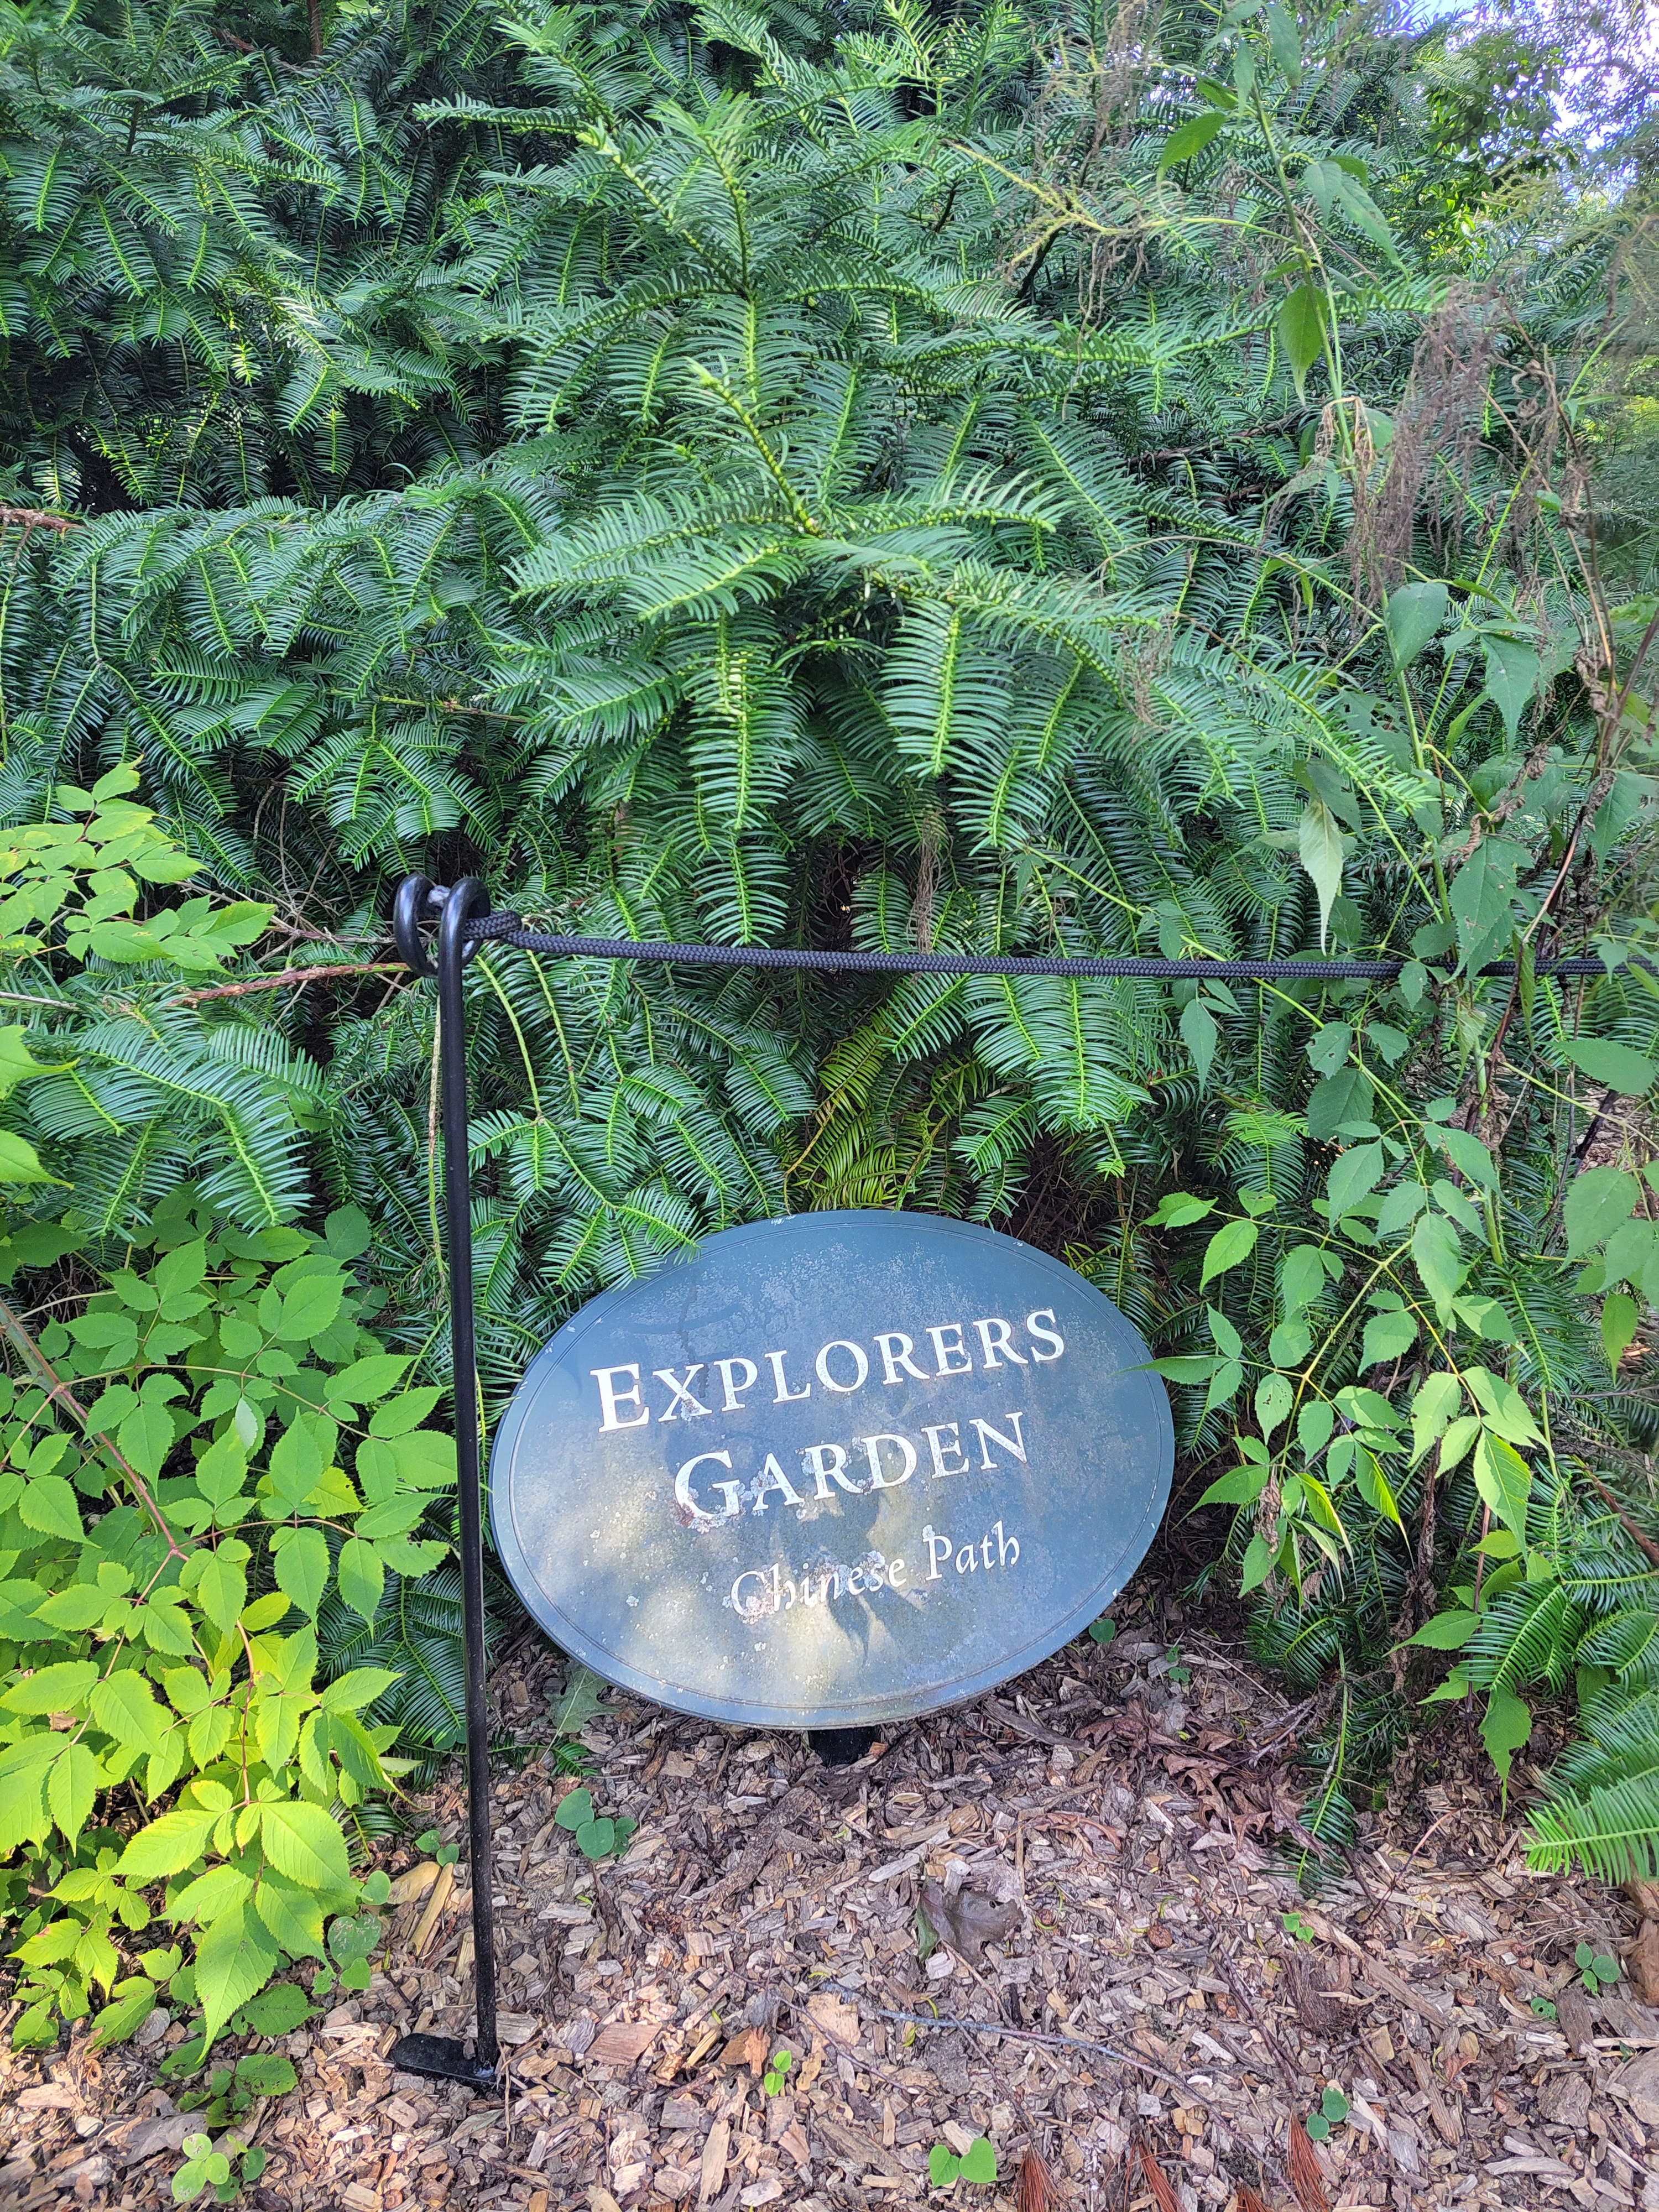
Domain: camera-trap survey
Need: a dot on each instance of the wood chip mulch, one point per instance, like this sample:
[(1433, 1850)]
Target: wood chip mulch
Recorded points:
[(1103, 1849)]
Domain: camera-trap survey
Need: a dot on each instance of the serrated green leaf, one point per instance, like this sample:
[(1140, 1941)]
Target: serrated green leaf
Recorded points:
[(361, 1573), (235, 1957), (305, 1846), (1619, 1067), (302, 1569), (1321, 849), (1189, 138), (1302, 320), (1597, 1201), (1232, 1244)]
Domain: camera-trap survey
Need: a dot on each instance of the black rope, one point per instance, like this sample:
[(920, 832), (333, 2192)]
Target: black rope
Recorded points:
[(509, 929)]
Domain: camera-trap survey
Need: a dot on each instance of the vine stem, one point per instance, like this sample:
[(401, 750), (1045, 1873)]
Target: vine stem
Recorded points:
[(1645, 1543), (290, 975), (55, 1386)]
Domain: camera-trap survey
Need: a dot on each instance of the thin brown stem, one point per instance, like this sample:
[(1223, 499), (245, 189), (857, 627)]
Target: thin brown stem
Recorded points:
[(38, 518), (1645, 1544), (290, 975), (56, 1386)]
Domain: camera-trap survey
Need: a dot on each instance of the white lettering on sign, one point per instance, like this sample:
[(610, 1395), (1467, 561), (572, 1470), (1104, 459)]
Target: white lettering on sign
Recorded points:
[(860, 1366), (889, 1460), (988, 1436), (726, 1368), (843, 1366), (730, 1489), (997, 1337), (1047, 1335), (971, 1556), (610, 1398), (947, 1429), (877, 1479), (827, 1463), (758, 1591), (950, 1359), (774, 1477), (682, 1390), (786, 1396), (891, 1361)]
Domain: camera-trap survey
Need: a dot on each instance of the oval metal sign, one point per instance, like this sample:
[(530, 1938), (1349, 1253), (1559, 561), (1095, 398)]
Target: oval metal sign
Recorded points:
[(834, 1470)]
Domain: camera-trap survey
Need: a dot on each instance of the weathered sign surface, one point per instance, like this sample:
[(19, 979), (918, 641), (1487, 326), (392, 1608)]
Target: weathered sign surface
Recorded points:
[(833, 1470)]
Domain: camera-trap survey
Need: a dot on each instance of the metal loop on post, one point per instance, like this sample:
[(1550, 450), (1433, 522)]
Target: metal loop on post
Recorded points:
[(409, 910), (463, 903)]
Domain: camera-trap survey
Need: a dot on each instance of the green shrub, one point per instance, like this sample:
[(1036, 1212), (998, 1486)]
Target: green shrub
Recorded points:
[(202, 1444)]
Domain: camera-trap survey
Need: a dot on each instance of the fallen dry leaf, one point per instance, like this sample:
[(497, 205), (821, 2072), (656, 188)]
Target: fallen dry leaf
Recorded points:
[(749, 2048), (415, 1883), (970, 1920), (835, 2016), (1637, 2086), (1642, 1962), (712, 2170), (858, 2149), (49, 2096), (1575, 2018)]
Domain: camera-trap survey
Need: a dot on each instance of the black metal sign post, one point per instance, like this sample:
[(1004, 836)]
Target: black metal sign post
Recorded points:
[(440, 2055), (464, 921)]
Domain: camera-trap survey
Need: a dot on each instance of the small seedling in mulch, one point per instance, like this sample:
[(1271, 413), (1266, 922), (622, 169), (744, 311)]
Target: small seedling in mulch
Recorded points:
[(1294, 1924), (1596, 1969), (1544, 2006), (596, 1837), (204, 2168), (977, 2164), (778, 2072), (445, 1854), (1176, 1672), (352, 1941), (1103, 1630), (927, 1937), (230, 2090), (1333, 2110)]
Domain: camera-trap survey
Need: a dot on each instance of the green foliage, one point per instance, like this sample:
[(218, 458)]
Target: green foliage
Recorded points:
[(224, 2168), (596, 1837), (776, 2076), (1331, 2111), (977, 2164), (1597, 1970), (810, 476), (202, 1444)]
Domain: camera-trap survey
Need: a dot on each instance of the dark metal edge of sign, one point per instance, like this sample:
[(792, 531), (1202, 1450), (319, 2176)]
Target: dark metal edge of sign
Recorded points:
[(892, 1707)]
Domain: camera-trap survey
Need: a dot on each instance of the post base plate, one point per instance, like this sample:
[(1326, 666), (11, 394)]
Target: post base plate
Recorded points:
[(441, 2058)]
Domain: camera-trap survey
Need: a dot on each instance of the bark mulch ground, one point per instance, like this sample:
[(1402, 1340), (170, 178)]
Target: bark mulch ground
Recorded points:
[(1150, 2008)]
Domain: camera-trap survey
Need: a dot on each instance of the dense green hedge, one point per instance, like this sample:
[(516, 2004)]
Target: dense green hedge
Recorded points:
[(899, 476)]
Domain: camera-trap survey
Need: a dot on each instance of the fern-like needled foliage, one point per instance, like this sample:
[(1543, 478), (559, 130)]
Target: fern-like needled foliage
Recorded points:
[(888, 477)]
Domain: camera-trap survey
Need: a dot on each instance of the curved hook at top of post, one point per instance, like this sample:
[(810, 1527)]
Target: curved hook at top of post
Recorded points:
[(461, 901), (409, 908), (419, 900)]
